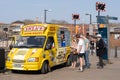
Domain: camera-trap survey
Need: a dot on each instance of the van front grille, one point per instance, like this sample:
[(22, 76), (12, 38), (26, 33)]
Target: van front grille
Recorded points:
[(18, 61)]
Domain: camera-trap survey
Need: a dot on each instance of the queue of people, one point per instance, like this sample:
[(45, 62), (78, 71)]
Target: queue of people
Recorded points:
[(80, 50)]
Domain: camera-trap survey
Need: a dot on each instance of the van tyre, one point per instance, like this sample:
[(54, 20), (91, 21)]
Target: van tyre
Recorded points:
[(45, 68)]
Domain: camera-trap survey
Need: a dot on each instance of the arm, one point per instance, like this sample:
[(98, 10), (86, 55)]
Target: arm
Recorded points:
[(87, 45), (100, 45)]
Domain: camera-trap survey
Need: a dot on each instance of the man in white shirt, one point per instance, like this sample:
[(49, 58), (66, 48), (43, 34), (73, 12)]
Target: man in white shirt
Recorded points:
[(80, 50)]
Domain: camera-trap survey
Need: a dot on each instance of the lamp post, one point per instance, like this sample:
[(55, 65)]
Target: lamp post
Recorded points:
[(90, 17), (45, 12), (90, 26)]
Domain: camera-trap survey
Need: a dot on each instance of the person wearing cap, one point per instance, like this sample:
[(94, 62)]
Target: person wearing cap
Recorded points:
[(100, 50), (80, 51)]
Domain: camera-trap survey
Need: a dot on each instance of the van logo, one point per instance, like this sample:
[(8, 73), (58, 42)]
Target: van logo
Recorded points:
[(34, 28)]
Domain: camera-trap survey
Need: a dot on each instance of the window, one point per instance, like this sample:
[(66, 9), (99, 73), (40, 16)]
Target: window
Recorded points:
[(50, 43), (30, 41)]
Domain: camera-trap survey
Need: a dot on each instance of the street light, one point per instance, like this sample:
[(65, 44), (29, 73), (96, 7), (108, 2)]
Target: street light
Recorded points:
[(90, 17), (90, 26), (45, 11)]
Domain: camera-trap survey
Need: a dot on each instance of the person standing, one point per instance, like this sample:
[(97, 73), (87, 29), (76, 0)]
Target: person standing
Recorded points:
[(100, 45), (73, 54), (92, 46), (87, 51), (80, 51)]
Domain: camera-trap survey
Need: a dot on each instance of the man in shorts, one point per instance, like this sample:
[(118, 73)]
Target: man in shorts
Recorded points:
[(80, 50)]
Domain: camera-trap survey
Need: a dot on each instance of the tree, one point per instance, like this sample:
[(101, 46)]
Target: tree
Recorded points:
[(28, 21), (59, 22)]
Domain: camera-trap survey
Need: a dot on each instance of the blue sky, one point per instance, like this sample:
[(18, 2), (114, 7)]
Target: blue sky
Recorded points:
[(12, 10)]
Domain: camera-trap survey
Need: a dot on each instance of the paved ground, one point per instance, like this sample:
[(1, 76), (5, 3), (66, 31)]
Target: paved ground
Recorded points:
[(110, 72)]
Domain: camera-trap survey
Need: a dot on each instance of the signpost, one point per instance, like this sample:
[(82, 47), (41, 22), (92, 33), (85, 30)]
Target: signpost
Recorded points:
[(105, 31)]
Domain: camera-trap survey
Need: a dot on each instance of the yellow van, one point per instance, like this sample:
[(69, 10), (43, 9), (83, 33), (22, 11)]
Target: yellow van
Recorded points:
[(40, 47)]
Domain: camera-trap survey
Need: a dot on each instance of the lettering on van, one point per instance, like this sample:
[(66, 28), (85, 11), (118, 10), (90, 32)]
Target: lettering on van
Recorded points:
[(34, 28), (52, 29), (33, 33)]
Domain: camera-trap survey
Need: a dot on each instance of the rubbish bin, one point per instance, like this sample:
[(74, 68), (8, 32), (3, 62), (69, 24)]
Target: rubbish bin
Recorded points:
[(2, 58)]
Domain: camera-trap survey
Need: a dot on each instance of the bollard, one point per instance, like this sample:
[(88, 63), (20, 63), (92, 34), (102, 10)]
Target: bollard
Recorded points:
[(115, 51), (2, 59)]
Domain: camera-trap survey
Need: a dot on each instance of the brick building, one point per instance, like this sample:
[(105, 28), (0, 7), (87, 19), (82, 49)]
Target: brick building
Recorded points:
[(115, 37)]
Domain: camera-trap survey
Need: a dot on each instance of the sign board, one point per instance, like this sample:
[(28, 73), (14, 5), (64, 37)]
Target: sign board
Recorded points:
[(102, 19), (102, 26), (75, 16), (113, 18)]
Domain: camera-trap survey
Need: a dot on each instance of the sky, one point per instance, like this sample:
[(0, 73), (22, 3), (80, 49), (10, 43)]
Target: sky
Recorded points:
[(13, 10)]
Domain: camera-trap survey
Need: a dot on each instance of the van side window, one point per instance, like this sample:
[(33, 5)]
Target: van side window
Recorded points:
[(50, 43)]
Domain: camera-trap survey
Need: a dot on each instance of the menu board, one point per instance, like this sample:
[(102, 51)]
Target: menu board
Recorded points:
[(59, 38)]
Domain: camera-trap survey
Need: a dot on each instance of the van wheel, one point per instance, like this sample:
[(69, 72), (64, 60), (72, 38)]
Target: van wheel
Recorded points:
[(68, 63), (45, 68)]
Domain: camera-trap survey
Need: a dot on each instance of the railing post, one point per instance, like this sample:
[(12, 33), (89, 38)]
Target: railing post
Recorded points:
[(115, 51)]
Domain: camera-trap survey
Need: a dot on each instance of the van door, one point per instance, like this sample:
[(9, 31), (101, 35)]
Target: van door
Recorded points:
[(50, 50)]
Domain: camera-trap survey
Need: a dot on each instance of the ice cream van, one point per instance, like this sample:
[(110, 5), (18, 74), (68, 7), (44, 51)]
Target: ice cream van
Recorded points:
[(39, 48)]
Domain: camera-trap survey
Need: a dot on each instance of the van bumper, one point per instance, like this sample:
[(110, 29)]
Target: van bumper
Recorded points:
[(23, 66)]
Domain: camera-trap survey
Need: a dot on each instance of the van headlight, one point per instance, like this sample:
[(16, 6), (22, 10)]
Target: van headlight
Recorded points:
[(36, 59)]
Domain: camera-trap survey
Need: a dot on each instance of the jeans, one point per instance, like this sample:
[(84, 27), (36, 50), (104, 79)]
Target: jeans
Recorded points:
[(86, 58)]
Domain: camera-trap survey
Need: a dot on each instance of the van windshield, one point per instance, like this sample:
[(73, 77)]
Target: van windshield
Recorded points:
[(30, 42)]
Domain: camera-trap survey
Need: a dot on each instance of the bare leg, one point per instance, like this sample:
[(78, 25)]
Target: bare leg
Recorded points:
[(81, 64), (74, 64)]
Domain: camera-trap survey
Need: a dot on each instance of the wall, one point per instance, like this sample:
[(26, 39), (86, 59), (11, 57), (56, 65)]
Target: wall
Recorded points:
[(114, 42)]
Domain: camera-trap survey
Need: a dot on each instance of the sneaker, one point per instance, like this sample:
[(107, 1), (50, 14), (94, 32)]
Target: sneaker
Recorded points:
[(81, 69)]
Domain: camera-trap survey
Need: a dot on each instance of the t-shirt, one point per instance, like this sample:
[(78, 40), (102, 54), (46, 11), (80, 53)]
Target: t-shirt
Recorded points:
[(81, 42), (87, 42)]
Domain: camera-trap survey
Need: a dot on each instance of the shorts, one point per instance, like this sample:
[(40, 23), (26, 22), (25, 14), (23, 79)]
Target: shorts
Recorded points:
[(80, 55), (73, 57)]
